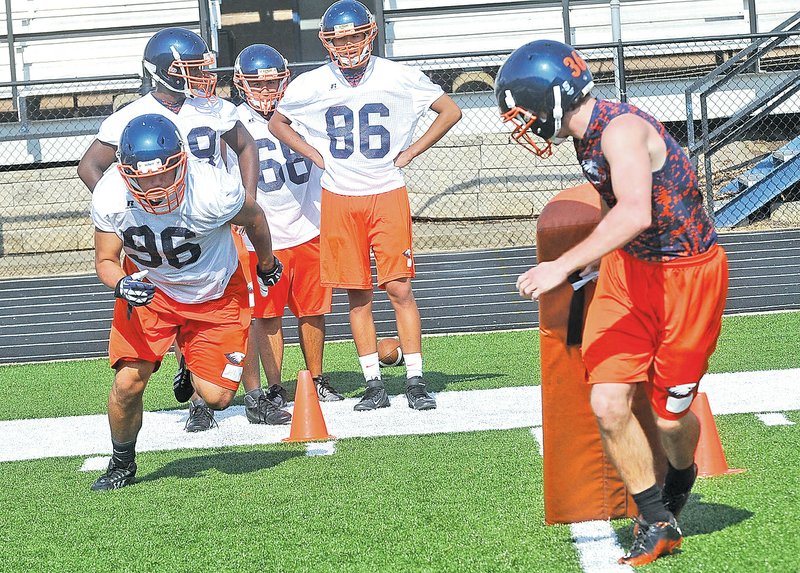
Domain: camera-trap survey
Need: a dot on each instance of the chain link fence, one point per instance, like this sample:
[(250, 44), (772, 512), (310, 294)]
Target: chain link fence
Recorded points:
[(474, 189)]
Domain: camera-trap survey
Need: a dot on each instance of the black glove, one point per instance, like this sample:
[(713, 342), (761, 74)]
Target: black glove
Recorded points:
[(270, 277), (134, 290)]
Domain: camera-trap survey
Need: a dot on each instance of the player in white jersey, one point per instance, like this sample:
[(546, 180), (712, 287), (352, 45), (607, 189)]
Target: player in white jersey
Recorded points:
[(289, 194), (172, 219), (359, 113), (176, 59)]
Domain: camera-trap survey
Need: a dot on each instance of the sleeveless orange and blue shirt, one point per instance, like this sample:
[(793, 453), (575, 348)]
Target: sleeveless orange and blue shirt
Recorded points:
[(681, 227)]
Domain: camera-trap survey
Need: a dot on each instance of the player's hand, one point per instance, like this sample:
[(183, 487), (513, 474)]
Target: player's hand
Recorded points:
[(269, 277), (403, 158), (318, 160), (591, 268), (540, 279), (132, 289)]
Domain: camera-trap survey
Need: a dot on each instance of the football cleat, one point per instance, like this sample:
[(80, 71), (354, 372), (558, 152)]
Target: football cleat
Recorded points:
[(326, 392), (675, 502), (277, 395), (262, 410), (115, 477), (201, 418), (418, 398), (182, 383), (651, 541), (375, 397)]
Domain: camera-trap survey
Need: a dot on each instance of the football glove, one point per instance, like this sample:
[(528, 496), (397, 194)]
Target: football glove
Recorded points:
[(134, 290), (270, 277)]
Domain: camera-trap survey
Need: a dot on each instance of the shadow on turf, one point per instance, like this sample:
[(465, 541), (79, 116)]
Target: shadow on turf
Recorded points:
[(231, 463), (697, 518), (351, 384)]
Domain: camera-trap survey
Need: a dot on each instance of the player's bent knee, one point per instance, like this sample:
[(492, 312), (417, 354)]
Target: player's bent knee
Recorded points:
[(216, 397), (611, 406), (669, 426)]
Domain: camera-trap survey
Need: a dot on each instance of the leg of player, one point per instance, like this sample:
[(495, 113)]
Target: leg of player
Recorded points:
[(201, 417), (409, 329), (366, 340), (312, 343), (657, 532), (679, 439), (266, 343), (125, 418), (182, 381)]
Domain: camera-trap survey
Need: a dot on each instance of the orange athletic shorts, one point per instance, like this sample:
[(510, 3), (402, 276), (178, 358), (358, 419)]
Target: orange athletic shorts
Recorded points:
[(351, 226), (656, 323), (299, 285), (212, 335)]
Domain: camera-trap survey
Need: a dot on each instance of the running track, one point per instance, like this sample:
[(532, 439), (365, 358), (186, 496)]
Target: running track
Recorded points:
[(66, 317)]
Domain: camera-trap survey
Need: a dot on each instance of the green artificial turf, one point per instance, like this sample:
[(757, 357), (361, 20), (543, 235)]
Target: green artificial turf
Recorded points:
[(475, 361), (382, 504)]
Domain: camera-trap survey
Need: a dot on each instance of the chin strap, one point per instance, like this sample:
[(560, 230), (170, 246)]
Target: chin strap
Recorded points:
[(558, 114)]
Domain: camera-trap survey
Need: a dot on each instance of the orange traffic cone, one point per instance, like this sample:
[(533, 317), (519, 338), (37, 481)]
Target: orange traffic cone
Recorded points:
[(708, 456), (307, 422)]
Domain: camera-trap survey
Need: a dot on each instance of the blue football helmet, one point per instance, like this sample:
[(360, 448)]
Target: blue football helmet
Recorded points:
[(536, 86), (261, 75), (345, 18), (177, 58), (151, 145)]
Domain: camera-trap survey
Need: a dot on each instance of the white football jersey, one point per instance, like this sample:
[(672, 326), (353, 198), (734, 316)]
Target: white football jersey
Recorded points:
[(201, 122), (360, 130), (189, 252), (289, 191)]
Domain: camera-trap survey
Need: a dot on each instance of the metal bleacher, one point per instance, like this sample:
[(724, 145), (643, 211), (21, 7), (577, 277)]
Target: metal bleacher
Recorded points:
[(71, 63), (771, 178)]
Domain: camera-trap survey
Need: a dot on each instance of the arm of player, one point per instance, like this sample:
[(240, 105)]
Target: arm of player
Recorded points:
[(624, 145), (252, 218), (131, 288), (448, 114), (243, 144), (281, 127), (94, 163)]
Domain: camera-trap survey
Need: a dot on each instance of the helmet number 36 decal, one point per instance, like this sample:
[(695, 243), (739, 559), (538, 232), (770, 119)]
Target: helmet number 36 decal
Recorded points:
[(576, 64)]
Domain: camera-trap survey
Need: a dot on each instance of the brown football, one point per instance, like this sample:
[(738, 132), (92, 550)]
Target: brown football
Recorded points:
[(389, 352)]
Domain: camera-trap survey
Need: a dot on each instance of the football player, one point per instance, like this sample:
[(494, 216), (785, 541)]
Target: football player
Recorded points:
[(177, 60), (657, 309), (358, 113), (289, 193), (180, 280)]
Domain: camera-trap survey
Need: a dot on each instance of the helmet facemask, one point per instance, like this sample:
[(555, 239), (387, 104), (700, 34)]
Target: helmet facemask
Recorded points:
[(527, 123), (352, 54), (156, 200), (263, 90), (198, 81)]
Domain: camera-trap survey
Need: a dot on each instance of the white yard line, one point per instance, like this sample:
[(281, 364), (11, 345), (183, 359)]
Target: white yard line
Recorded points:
[(774, 419), (598, 547), (462, 411)]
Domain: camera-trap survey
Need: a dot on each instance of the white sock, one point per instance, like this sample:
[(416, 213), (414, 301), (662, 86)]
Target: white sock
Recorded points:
[(370, 366), (413, 364)]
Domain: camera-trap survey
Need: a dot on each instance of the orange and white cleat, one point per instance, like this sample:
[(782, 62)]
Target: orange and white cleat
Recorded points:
[(652, 540)]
